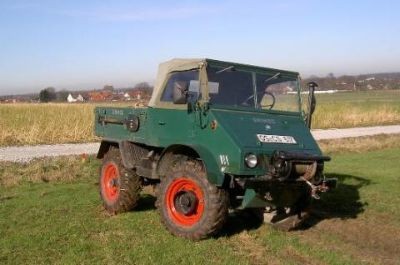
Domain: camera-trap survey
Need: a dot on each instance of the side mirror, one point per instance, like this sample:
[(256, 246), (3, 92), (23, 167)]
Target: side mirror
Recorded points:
[(180, 92), (311, 101)]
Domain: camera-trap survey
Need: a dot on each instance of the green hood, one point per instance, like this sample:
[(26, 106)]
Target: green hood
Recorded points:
[(243, 126)]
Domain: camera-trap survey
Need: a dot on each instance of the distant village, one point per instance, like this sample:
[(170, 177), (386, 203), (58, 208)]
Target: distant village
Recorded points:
[(141, 92), (99, 96)]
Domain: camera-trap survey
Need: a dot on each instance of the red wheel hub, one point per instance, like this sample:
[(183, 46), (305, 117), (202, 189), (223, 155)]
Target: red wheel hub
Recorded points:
[(185, 201), (110, 182)]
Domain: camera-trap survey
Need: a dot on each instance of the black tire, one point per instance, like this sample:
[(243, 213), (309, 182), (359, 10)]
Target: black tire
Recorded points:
[(214, 202), (125, 191)]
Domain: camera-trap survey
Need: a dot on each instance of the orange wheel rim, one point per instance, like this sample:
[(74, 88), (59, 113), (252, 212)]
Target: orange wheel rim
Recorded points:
[(185, 202), (110, 182)]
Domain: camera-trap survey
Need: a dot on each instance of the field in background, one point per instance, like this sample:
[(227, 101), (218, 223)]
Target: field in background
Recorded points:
[(30, 124), (356, 109), (22, 124), (51, 213)]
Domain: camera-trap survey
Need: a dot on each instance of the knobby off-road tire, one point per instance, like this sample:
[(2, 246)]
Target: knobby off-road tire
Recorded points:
[(119, 186), (189, 205)]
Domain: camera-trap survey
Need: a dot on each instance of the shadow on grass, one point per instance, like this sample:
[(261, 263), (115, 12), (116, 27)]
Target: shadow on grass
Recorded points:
[(237, 222), (147, 202), (243, 220), (6, 198), (344, 202)]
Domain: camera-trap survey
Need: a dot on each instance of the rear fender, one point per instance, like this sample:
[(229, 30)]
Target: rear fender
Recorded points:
[(130, 153), (104, 147)]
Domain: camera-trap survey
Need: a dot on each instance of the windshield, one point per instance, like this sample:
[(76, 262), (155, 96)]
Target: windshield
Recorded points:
[(270, 91)]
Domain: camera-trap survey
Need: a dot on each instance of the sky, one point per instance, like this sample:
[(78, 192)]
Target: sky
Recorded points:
[(87, 44)]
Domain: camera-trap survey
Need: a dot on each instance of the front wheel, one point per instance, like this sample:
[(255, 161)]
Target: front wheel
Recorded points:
[(189, 205)]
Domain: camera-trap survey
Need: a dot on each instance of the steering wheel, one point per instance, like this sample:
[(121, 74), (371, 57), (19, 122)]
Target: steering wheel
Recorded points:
[(261, 93)]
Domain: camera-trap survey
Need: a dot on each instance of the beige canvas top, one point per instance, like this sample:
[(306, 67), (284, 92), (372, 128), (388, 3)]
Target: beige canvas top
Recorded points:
[(175, 65), (167, 67)]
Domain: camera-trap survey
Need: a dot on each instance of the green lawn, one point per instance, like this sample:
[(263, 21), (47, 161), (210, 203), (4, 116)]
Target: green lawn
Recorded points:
[(48, 220)]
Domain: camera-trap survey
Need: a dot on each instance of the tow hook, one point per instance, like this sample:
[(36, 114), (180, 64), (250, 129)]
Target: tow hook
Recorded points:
[(323, 187)]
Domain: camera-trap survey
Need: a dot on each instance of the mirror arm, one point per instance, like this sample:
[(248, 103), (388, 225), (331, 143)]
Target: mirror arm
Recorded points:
[(203, 79), (311, 102)]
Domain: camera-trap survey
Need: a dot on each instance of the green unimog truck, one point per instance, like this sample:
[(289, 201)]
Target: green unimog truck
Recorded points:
[(216, 137)]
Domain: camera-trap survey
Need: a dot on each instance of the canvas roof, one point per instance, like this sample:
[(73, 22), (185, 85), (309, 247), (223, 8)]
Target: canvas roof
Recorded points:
[(179, 64), (170, 66)]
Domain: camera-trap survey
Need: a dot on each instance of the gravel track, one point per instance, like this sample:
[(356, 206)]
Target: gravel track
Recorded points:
[(355, 132), (27, 153)]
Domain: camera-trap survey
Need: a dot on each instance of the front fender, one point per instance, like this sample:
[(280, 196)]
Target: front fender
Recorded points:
[(214, 174)]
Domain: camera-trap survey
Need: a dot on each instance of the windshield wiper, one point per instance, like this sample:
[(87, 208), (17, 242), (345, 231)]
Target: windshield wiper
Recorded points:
[(226, 69), (275, 76)]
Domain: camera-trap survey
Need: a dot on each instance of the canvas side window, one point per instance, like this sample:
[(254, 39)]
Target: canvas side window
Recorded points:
[(189, 77)]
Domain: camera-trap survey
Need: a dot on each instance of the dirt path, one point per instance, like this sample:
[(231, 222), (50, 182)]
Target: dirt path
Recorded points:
[(354, 132), (27, 153)]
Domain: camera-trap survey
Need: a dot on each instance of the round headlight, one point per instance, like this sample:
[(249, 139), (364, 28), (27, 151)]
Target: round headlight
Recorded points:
[(251, 160)]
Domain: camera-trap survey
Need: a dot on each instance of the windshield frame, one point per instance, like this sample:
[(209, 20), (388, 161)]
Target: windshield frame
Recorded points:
[(254, 71)]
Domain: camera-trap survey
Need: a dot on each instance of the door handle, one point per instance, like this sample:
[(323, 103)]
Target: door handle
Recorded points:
[(161, 122)]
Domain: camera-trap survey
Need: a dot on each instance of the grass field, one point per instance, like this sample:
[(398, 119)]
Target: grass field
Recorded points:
[(22, 124), (51, 213)]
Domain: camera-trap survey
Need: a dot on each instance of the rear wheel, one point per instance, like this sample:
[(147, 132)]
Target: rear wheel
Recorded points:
[(189, 205), (119, 186)]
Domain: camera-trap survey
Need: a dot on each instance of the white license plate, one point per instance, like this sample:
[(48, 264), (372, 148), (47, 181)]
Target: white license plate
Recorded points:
[(267, 138)]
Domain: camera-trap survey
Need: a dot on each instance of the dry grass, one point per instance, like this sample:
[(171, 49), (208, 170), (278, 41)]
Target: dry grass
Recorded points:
[(45, 123), (360, 144), (28, 124), (354, 109), (64, 169), (346, 115)]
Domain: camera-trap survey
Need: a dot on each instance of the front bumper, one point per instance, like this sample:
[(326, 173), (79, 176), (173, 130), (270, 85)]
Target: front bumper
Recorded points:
[(299, 156), (291, 177), (260, 193)]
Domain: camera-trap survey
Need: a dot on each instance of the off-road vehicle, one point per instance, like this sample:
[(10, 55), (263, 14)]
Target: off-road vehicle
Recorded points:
[(216, 137)]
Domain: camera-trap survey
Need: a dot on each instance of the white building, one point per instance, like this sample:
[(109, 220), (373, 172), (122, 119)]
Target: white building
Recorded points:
[(79, 98), (70, 98)]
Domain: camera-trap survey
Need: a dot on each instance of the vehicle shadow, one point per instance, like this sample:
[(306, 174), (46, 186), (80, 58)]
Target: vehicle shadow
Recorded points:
[(147, 202), (237, 221), (240, 221), (343, 202)]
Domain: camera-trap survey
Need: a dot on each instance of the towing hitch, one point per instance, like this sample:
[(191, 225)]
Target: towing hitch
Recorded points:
[(324, 186)]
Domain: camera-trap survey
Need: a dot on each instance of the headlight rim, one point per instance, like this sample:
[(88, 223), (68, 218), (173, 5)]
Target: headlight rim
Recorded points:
[(249, 160)]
